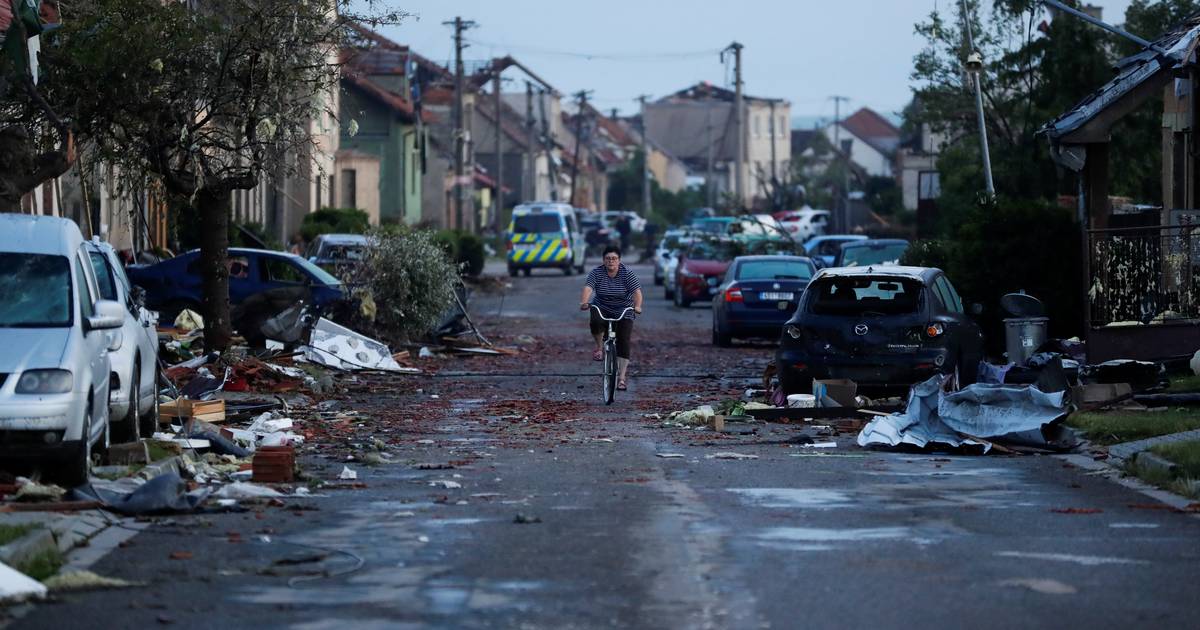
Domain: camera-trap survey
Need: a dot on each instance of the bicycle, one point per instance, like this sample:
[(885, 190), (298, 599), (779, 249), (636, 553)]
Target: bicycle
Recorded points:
[(610, 355)]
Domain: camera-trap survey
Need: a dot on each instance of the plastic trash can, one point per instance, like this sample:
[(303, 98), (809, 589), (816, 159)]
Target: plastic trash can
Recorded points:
[(1023, 336)]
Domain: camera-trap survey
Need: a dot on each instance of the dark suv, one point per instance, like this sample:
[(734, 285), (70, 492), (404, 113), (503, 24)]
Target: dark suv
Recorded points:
[(883, 327)]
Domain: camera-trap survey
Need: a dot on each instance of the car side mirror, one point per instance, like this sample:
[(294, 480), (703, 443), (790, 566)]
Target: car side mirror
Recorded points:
[(107, 315), (976, 309)]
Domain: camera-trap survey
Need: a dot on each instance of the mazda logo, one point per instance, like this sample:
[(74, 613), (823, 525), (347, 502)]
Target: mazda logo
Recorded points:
[(861, 329)]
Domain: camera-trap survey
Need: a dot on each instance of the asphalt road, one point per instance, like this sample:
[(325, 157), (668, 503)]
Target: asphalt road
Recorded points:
[(617, 536)]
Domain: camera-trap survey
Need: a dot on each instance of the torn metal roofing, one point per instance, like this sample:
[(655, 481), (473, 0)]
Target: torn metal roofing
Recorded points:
[(1132, 72)]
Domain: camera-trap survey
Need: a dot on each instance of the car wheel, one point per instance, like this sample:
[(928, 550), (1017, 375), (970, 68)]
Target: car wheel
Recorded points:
[(130, 427), (79, 466), (527, 271), (512, 271), (719, 339)]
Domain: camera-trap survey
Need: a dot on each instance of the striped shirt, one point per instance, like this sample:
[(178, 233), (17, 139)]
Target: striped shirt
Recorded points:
[(613, 295)]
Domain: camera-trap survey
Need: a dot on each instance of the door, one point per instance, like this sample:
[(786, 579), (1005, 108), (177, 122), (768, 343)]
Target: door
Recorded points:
[(95, 342)]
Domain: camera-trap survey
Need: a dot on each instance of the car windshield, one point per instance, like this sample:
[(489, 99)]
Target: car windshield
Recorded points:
[(775, 270), (35, 291), (713, 227), (354, 253), (108, 288), (864, 296), (873, 255), (536, 224), (320, 274), (712, 251)]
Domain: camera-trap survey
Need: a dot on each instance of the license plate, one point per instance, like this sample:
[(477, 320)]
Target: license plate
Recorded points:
[(777, 296)]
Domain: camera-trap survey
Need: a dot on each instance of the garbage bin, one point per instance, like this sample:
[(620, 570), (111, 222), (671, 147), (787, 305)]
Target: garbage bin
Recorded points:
[(1023, 336), (1025, 332)]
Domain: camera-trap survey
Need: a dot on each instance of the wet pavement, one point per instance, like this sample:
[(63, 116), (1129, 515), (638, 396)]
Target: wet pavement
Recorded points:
[(509, 496)]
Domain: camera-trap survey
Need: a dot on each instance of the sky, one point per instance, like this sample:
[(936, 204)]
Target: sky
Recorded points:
[(801, 50)]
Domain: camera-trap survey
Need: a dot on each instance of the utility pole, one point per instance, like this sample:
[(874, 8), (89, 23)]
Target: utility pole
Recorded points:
[(709, 184), (645, 161), (582, 95), (548, 144), (774, 171), (975, 69), (530, 151), (460, 144), (498, 206), (844, 210), (739, 183)]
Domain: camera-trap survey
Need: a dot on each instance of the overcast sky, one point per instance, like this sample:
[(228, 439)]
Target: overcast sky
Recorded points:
[(801, 50)]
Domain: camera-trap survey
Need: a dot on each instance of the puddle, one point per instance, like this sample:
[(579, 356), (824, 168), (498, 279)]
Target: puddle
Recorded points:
[(1133, 525), (817, 534), (795, 497), (1087, 561)]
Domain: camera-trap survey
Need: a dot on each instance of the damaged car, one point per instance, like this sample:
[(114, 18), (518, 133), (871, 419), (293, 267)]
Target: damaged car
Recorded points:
[(700, 270), (885, 328)]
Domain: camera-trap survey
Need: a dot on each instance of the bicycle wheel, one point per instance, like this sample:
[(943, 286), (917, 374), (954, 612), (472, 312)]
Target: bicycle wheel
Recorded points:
[(610, 371)]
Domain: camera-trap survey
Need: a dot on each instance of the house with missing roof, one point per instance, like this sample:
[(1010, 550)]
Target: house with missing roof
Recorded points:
[(1142, 262)]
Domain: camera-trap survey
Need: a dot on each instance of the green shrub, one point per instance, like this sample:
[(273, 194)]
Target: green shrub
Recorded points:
[(334, 221), (929, 253), (410, 280), (464, 248)]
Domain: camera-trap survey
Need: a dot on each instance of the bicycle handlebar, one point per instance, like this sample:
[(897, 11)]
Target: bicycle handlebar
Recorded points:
[(622, 316)]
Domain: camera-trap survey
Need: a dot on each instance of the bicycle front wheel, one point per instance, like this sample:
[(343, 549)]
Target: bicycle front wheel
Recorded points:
[(610, 371)]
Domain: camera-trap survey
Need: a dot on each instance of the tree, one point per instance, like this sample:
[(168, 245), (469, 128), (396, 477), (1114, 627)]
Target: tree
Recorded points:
[(203, 100), (625, 191)]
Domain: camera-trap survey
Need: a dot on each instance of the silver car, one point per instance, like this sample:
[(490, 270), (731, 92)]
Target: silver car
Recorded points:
[(56, 332), (134, 371)]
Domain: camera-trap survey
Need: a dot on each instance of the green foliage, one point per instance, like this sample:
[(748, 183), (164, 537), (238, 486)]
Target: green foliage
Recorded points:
[(411, 280), (667, 208), (1009, 247), (1115, 427), (464, 248), (883, 195), (334, 221), (9, 533)]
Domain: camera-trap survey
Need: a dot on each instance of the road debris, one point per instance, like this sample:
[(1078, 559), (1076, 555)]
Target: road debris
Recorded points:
[(730, 455)]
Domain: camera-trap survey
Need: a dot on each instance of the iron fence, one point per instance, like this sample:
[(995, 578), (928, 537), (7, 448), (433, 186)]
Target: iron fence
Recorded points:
[(1143, 275)]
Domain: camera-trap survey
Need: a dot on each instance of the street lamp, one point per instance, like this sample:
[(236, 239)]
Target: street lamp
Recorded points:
[(974, 67)]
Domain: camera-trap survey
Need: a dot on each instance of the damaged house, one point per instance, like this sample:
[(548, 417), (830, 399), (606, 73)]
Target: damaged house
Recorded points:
[(1141, 263)]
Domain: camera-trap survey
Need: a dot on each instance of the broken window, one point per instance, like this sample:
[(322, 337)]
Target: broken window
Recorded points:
[(108, 288), (35, 291), (865, 296)]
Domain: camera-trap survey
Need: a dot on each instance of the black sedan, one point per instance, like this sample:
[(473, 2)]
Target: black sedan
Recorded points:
[(758, 296), (884, 328)]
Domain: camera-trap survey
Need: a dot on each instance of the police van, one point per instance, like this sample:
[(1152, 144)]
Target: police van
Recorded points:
[(545, 234)]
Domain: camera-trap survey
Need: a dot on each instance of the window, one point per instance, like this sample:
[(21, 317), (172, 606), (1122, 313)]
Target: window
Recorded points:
[(280, 270), (864, 255), (757, 127), (859, 296), (953, 301), (239, 268), (782, 128), (35, 291), (929, 185), (87, 301), (104, 278), (537, 224), (349, 197), (775, 270)]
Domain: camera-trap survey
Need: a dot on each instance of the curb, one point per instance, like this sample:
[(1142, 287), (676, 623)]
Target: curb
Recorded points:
[(1114, 473), (1154, 462), (1127, 450), (24, 549)]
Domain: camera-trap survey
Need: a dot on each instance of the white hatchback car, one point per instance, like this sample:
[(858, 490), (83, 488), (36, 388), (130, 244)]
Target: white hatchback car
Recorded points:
[(56, 332), (134, 376)]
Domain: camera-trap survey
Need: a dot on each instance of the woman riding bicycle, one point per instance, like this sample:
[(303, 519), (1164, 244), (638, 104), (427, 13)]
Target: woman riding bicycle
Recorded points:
[(612, 288)]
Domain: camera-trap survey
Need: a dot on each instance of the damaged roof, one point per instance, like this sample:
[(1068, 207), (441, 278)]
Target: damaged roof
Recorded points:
[(1138, 75)]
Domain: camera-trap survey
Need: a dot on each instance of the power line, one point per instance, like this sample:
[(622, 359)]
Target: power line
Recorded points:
[(590, 56)]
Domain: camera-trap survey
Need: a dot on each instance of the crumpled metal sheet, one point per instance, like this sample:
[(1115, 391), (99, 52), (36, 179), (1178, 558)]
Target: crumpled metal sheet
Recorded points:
[(340, 348), (919, 425), (984, 410)]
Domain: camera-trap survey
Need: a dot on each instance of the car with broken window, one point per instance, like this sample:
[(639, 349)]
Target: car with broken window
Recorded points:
[(57, 332), (885, 328), (875, 251), (758, 297), (826, 247), (339, 254), (700, 269), (177, 284), (133, 379)]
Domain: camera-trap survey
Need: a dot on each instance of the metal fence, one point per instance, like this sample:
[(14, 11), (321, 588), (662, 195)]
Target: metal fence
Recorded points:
[(1144, 276)]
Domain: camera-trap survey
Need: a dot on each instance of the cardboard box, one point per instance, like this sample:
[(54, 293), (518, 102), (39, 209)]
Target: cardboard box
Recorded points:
[(841, 390), (185, 409)]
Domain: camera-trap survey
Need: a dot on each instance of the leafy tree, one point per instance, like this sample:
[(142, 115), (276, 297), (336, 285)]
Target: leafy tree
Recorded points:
[(670, 208), (334, 221), (205, 100)]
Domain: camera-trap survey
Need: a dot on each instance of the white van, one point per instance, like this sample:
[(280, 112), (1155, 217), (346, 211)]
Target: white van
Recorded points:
[(545, 234)]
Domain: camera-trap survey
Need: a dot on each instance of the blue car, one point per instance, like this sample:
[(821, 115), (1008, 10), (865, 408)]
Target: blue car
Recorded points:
[(759, 295), (176, 284), (878, 251), (825, 248)]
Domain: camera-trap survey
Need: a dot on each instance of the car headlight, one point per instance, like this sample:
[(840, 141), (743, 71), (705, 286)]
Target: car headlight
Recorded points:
[(45, 382), (792, 331)]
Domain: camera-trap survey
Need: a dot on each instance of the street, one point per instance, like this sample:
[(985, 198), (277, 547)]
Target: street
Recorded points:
[(507, 495)]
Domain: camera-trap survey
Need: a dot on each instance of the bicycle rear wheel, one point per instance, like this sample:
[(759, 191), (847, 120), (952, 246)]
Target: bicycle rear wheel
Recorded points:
[(610, 371)]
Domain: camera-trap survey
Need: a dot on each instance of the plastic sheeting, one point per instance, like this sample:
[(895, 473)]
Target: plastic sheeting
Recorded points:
[(918, 426), (340, 348), (164, 494)]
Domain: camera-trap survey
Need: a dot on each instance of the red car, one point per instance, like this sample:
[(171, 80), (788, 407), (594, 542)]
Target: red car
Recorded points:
[(701, 270)]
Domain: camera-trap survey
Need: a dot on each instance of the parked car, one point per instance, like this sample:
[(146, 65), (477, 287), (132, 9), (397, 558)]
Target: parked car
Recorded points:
[(669, 268), (636, 223), (57, 333), (713, 226), (880, 251), (826, 247), (805, 223), (757, 226), (884, 328), (133, 376), (176, 284), (759, 295), (338, 254), (545, 235), (672, 240), (596, 234), (700, 270)]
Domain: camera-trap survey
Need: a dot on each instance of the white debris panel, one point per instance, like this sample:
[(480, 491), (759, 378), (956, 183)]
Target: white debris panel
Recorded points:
[(340, 348)]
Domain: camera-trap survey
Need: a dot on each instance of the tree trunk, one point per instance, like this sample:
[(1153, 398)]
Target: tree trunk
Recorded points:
[(214, 207)]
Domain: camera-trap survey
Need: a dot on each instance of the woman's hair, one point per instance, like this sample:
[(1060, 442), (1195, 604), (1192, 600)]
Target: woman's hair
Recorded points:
[(612, 249)]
